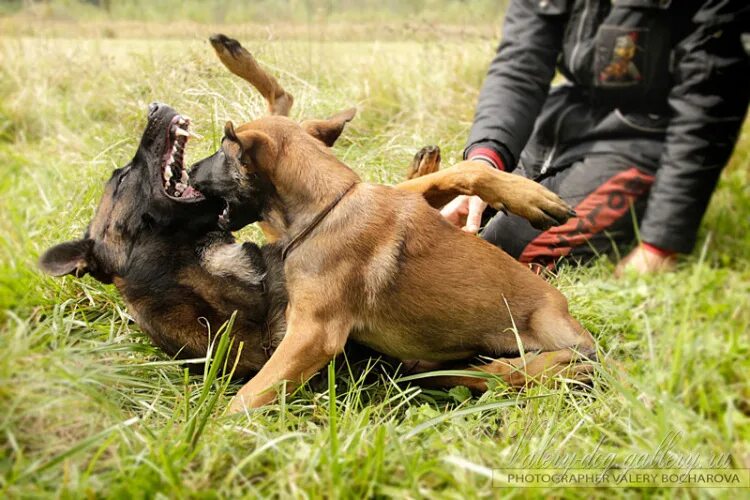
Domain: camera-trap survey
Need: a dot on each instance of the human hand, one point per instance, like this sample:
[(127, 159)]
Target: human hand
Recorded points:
[(465, 212), (646, 259)]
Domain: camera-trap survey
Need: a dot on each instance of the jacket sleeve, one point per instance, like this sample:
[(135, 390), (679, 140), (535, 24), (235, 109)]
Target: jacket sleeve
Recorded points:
[(708, 101), (519, 77)]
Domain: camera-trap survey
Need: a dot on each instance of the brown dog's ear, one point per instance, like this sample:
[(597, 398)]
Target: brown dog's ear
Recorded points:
[(70, 257), (329, 130), (229, 131), (257, 147)]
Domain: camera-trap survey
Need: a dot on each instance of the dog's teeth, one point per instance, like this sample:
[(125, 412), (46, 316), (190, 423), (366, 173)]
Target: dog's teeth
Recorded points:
[(182, 131), (184, 178), (180, 187), (168, 174)]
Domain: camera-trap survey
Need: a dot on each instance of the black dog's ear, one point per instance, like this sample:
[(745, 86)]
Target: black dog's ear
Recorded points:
[(327, 131), (229, 131), (70, 257)]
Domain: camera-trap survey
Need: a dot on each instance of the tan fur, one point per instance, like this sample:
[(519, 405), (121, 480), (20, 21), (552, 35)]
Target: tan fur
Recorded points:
[(269, 234), (225, 260)]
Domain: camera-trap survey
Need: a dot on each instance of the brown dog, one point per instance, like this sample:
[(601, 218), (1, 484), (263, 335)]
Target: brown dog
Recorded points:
[(379, 265)]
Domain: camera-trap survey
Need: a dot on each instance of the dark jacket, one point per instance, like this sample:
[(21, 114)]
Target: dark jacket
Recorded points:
[(664, 83)]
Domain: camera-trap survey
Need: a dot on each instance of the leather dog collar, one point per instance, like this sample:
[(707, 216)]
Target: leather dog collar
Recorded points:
[(297, 239)]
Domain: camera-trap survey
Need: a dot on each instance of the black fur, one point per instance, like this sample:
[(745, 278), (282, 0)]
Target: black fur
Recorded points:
[(150, 246)]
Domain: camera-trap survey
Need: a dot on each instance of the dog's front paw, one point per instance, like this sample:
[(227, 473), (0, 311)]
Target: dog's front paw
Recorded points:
[(237, 405), (537, 204)]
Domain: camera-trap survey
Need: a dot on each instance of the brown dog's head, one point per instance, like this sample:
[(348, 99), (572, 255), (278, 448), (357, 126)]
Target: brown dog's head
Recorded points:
[(251, 157), (148, 196)]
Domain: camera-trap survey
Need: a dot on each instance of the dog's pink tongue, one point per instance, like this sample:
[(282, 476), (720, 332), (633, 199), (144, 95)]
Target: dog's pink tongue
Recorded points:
[(190, 192)]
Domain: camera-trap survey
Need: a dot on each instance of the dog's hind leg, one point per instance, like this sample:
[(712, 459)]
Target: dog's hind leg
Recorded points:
[(530, 369), (241, 62), (537, 368), (555, 345)]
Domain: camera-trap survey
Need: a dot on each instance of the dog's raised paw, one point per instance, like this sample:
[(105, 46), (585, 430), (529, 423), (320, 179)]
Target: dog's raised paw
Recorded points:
[(426, 161), (220, 41)]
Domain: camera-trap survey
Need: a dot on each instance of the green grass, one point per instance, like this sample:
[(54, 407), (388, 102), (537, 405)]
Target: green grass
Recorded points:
[(90, 408), (257, 20)]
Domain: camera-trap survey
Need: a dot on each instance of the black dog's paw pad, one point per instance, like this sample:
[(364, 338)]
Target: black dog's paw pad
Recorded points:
[(220, 40)]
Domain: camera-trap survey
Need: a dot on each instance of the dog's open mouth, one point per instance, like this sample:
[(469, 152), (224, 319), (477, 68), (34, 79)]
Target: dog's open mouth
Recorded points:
[(174, 176)]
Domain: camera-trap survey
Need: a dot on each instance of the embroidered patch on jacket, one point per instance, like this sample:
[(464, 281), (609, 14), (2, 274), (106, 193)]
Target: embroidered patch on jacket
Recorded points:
[(619, 57)]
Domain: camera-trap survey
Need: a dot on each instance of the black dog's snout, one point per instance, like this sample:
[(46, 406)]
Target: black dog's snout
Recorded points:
[(196, 175), (153, 108)]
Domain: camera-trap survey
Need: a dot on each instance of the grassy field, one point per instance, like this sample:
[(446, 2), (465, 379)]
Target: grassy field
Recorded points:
[(89, 408)]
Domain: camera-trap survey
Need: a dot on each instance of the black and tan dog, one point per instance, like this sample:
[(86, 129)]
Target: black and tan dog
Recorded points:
[(378, 264), (158, 241)]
